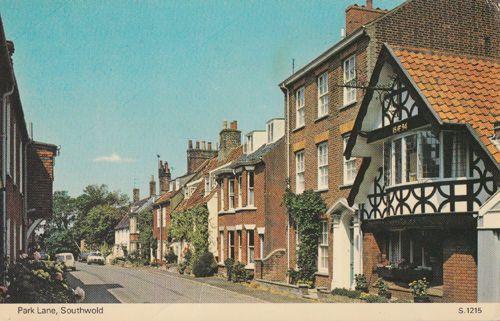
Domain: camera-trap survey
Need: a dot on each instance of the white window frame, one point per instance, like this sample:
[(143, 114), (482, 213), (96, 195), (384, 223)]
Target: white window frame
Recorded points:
[(300, 107), (221, 236), (250, 248), (158, 217), (251, 189), (222, 207), (323, 248), (322, 151), (240, 246), (240, 192), (231, 193), (300, 172), (323, 99), (349, 175), (163, 216), (230, 241), (349, 71)]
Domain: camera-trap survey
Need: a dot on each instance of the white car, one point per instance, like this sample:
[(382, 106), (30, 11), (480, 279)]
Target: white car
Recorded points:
[(95, 257), (67, 259)]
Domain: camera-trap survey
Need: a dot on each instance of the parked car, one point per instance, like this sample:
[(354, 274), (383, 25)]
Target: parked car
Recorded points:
[(67, 259), (83, 257), (95, 257)]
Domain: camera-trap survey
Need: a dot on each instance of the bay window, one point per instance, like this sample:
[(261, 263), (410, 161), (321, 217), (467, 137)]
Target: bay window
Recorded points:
[(454, 154), (222, 205), (300, 108), (323, 248), (231, 244), (299, 169), (231, 193), (417, 156), (323, 166), (323, 95)]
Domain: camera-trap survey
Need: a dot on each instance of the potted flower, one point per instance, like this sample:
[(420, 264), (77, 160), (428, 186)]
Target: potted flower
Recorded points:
[(383, 289), (361, 283), (419, 290)]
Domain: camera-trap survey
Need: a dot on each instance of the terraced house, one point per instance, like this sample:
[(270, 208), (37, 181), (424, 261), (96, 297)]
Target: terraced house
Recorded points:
[(322, 100), (251, 220), (27, 167)]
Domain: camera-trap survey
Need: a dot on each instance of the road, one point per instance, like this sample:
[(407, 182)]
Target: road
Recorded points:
[(112, 284)]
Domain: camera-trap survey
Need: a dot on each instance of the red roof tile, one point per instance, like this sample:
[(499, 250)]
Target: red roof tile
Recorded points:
[(461, 89)]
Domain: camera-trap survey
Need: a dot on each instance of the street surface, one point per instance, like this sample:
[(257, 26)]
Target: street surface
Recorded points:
[(112, 284)]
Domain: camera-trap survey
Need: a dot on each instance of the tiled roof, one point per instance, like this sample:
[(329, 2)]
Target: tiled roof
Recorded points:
[(256, 156), (165, 197), (124, 223), (460, 89)]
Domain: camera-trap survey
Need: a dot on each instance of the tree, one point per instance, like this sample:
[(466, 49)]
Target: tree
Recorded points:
[(94, 196), (99, 225), (146, 239), (57, 235)]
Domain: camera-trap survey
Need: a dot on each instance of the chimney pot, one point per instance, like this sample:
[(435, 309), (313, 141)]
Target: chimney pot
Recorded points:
[(190, 144), (152, 186), (209, 145), (203, 145), (197, 145), (136, 195), (224, 124), (369, 4), (234, 124)]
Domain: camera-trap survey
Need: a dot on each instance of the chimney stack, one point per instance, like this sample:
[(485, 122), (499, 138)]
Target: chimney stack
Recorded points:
[(152, 186), (229, 139), (135, 193), (196, 156), (190, 144), (164, 176), (209, 145), (358, 16)]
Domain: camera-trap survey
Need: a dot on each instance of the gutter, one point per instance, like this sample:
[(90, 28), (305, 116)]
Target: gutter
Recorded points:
[(4, 169)]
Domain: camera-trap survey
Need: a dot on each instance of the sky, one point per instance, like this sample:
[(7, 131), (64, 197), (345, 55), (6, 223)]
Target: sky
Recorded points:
[(114, 83)]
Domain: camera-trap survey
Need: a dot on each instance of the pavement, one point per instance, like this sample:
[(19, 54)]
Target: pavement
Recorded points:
[(113, 284)]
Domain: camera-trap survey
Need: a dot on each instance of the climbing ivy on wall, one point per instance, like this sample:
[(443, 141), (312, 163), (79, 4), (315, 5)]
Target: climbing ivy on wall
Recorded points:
[(191, 226), (305, 210)]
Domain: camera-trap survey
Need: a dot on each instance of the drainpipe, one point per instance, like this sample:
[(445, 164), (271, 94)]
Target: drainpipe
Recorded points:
[(4, 172), (287, 133)]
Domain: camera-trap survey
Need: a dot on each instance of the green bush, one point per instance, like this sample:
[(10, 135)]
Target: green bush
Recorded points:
[(293, 275), (204, 265), (240, 274), (185, 265), (361, 283), (171, 257), (229, 262), (383, 289), (370, 298), (37, 282), (346, 292)]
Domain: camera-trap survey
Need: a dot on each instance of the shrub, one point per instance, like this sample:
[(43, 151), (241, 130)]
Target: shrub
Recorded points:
[(346, 292), (361, 283), (293, 275), (204, 265), (185, 265), (239, 273), (382, 288), (370, 298), (37, 282), (171, 257), (229, 262), (419, 287)]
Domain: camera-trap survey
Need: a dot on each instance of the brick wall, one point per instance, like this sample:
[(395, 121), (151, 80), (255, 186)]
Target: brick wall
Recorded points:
[(460, 268), (198, 154), (357, 16), (373, 246), (274, 267)]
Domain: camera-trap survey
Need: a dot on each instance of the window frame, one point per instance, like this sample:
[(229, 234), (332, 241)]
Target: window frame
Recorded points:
[(323, 255), (231, 245), (323, 98), (261, 245), (345, 166), (231, 193), (240, 245), (300, 104), (349, 76), (251, 188), (240, 191), (221, 242), (250, 248), (322, 158), (300, 170)]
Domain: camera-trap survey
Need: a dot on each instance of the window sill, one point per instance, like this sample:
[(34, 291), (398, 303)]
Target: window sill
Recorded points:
[(346, 186), (428, 180), (322, 273), (321, 118), (322, 190), (250, 266), (345, 106), (227, 212), (296, 129), (246, 208)]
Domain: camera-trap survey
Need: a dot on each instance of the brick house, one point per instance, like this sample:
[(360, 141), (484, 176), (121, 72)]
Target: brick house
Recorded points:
[(173, 192), (322, 100), (27, 167), (433, 117), (250, 218)]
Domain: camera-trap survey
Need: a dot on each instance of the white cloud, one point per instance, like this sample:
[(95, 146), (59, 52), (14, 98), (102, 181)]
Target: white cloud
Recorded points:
[(113, 158)]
